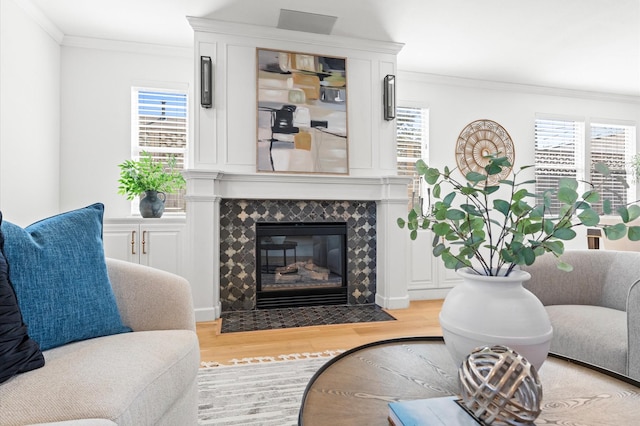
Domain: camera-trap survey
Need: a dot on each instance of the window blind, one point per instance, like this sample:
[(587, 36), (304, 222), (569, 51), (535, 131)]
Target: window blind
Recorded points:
[(556, 153), (160, 127), (611, 144), (412, 133)]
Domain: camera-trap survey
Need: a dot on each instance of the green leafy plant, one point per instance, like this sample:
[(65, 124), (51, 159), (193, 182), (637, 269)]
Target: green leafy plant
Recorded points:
[(146, 174), (493, 235)]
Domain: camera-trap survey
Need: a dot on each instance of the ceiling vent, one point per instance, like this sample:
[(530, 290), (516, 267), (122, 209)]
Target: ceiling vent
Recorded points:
[(308, 22)]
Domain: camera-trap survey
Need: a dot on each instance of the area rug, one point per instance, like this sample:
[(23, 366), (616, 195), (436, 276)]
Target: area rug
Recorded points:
[(256, 391), (269, 319)]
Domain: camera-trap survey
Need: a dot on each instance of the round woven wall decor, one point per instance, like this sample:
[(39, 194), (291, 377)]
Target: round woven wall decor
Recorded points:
[(480, 139)]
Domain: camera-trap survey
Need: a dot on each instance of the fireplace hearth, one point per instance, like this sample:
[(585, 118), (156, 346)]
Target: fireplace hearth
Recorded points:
[(300, 264)]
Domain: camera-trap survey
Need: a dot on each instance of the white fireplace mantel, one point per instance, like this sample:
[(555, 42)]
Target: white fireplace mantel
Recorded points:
[(206, 188)]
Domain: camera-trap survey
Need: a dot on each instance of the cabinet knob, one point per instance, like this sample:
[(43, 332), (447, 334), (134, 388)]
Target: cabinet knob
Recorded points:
[(133, 242), (144, 233)]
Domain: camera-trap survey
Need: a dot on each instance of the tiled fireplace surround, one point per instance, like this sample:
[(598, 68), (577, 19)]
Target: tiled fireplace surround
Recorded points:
[(238, 220), (224, 207)]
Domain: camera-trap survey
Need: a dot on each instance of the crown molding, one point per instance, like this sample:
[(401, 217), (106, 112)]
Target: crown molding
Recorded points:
[(257, 31), (41, 19), (515, 87), (126, 46)]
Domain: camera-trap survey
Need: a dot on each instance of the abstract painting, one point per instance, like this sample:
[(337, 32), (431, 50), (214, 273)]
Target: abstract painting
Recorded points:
[(302, 113)]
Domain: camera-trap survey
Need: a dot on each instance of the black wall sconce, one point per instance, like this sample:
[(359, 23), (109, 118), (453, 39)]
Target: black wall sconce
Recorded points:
[(389, 97), (206, 77)]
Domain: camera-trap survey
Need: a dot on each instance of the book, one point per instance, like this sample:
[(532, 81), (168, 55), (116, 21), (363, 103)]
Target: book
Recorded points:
[(443, 411)]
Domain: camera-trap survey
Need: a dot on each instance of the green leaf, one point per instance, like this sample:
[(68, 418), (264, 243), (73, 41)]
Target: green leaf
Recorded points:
[(475, 177), (634, 212), (493, 169), (431, 175), (615, 232), (564, 234), (589, 217), (556, 247), (491, 189), (421, 167), (502, 206), (528, 255), (602, 168), (567, 195), (624, 214), (441, 229), (634, 233), (455, 214), (564, 266), (519, 195), (401, 222), (448, 199), (436, 190), (591, 197), (413, 235), (568, 183), (439, 249), (450, 262), (606, 206)]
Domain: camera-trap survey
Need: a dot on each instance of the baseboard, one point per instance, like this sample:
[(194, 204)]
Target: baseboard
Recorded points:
[(392, 302), (207, 314)]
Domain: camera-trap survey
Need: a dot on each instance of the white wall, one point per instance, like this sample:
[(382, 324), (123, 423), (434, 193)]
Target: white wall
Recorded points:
[(97, 78), (454, 103), (29, 116)]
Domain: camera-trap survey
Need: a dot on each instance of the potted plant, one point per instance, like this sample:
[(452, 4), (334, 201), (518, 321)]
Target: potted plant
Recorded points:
[(486, 238), (152, 178)]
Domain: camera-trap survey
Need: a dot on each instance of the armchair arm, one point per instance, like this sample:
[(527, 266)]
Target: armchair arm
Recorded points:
[(151, 299), (633, 330)]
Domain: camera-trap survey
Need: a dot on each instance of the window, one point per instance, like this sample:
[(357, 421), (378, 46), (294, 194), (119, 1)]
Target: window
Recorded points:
[(557, 148), (412, 140), (612, 145), (561, 150), (159, 127)]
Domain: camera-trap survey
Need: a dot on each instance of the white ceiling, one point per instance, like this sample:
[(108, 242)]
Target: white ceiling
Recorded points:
[(591, 45)]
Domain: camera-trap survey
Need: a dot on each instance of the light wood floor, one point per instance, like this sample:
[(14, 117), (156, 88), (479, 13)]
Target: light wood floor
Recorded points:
[(420, 319)]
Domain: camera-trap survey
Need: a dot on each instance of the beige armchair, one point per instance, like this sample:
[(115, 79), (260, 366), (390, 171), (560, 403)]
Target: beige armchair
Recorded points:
[(146, 377), (595, 309)]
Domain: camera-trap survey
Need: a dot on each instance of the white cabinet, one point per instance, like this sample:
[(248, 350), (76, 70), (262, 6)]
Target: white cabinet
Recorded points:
[(428, 278), (159, 243)]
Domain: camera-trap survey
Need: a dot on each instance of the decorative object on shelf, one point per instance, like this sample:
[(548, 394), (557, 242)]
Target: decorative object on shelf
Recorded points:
[(389, 97), (146, 175), (488, 310), (498, 385), (302, 113), (478, 142), (152, 204), (490, 237), (206, 81)]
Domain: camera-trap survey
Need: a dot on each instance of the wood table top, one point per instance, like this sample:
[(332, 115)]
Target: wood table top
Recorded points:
[(355, 387)]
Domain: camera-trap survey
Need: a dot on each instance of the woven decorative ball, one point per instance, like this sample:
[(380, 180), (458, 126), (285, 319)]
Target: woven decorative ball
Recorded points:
[(499, 386)]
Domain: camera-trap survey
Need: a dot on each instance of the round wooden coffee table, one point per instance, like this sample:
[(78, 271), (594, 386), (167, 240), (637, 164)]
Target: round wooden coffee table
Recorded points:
[(355, 387)]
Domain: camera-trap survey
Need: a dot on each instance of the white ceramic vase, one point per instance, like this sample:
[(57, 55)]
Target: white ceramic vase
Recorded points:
[(488, 310)]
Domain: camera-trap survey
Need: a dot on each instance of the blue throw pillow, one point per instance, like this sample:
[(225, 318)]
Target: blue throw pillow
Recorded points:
[(18, 353), (59, 273)]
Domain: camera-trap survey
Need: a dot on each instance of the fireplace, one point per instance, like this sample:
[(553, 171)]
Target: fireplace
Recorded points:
[(300, 264)]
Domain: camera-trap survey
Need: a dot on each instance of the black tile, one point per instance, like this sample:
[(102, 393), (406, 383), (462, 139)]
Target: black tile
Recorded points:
[(268, 319)]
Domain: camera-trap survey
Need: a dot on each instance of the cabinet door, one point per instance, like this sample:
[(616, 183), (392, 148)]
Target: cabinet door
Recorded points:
[(161, 246), (121, 242)]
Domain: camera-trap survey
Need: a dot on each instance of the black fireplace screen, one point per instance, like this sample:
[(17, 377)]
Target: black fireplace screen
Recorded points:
[(300, 264)]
